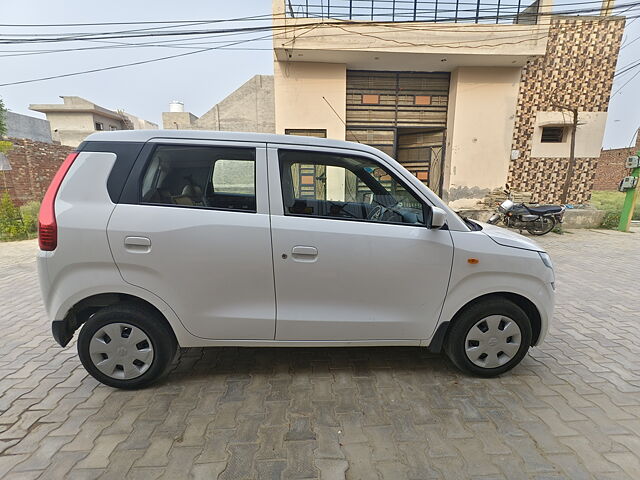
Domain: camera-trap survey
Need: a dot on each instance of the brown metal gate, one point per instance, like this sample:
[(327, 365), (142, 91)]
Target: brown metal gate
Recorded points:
[(404, 114)]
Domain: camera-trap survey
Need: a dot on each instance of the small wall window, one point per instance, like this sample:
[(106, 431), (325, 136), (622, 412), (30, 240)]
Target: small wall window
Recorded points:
[(370, 99), (113, 127), (306, 132), (552, 135), (99, 126)]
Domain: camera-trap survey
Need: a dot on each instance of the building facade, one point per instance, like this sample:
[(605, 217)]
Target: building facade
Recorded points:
[(26, 127), (75, 118), (466, 102), (250, 108), (576, 71)]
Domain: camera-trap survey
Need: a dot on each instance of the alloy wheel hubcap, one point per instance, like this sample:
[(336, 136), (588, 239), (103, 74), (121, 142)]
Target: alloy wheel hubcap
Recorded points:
[(493, 341), (121, 351)]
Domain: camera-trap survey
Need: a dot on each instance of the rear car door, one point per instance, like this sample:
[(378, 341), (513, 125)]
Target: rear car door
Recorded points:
[(193, 227), (353, 257)]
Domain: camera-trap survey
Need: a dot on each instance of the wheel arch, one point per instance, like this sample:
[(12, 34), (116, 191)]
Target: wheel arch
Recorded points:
[(521, 301), (80, 312)]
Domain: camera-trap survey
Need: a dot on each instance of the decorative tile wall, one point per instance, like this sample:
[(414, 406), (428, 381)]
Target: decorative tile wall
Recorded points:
[(577, 70)]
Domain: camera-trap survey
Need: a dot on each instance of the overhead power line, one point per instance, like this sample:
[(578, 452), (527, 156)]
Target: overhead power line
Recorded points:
[(267, 16), (195, 42), (143, 33), (113, 67), (229, 32), (264, 17)]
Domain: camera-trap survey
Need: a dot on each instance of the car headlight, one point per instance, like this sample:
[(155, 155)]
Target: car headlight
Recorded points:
[(546, 259)]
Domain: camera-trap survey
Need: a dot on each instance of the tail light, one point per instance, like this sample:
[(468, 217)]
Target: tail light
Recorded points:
[(47, 226)]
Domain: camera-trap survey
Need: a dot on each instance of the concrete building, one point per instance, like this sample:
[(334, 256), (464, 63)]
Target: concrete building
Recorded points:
[(465, 101), (248, 109), (31, 128), (76, 118), (466, 98)]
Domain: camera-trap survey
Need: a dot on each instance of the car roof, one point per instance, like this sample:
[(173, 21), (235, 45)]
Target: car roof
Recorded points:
[(146, 135)]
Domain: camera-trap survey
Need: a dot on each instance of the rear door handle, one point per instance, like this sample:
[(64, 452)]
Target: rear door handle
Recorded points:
[(306, 251), (303, 253), (137, 244)]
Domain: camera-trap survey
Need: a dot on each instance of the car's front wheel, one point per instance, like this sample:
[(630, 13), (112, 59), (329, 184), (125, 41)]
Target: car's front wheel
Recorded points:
[(489, 337), (126, 346)]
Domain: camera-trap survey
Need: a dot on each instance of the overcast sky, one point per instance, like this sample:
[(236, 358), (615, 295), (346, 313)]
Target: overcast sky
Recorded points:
[(201, 80)]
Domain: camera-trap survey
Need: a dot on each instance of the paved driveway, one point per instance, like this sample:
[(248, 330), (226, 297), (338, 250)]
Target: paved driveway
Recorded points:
[(570, 410)]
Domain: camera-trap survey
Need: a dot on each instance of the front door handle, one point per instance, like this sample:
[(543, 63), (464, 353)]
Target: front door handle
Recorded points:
[(137, 244)]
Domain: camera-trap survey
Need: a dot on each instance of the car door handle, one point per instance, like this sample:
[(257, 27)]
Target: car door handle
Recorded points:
[(138, 241), (306, 251), (302, 253), (137, 244)]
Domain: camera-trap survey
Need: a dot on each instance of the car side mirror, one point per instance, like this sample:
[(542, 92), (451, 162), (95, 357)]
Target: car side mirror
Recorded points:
[(438, 218)]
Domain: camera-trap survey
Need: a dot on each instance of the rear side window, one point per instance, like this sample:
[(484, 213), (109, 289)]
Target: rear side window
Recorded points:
[(205, 177)]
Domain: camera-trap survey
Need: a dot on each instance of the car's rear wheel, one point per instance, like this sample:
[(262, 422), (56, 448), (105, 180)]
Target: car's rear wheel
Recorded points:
[(126, 346), (489, 337)]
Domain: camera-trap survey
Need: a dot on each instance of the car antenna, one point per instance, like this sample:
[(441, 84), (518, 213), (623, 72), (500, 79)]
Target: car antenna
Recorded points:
[(338, 115)]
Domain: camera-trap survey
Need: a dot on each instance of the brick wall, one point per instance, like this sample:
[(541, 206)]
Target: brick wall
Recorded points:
[(577, 70), (610, 169), (33, 165)]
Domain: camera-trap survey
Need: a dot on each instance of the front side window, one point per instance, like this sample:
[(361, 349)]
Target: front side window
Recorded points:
[(345, 187), (209, 177)]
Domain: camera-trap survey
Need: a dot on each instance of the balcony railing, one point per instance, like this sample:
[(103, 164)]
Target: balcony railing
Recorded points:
[(440, 11)]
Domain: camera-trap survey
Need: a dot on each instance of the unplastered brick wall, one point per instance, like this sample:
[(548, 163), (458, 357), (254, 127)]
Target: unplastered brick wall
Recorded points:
[(610, 169), (33, 165), (577, 70)]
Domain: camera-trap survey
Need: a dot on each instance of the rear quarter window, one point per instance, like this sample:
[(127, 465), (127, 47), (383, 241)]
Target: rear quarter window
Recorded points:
[(126, 156)]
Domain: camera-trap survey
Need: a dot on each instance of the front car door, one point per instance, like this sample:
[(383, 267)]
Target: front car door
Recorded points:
[(353, 258), (195, 231)]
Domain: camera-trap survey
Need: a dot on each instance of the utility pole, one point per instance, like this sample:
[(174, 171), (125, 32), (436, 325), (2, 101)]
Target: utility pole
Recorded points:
[(629, 202)]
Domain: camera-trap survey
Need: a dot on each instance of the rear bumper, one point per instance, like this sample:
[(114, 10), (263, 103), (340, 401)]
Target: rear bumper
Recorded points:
[(61, 333)]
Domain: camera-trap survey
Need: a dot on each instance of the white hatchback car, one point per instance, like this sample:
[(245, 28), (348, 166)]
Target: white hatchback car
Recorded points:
[(152, 240)]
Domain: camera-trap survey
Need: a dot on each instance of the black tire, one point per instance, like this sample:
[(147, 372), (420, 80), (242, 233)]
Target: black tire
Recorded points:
[(542, 227), (469, 317), (163, 342)]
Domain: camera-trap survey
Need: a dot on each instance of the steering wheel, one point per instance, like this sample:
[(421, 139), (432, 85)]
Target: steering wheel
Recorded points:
[(342, 209), (377, 213)]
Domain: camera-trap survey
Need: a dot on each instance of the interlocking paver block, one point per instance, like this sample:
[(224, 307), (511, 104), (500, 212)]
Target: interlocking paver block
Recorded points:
[(570, 410)]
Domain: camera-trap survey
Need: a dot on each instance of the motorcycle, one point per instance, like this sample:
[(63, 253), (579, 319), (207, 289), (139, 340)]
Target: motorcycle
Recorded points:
[(537, 220)]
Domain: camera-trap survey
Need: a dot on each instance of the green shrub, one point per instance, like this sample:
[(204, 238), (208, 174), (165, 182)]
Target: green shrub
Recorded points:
[(12, 226), (611, 201), (611, 220), (29, 212)]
